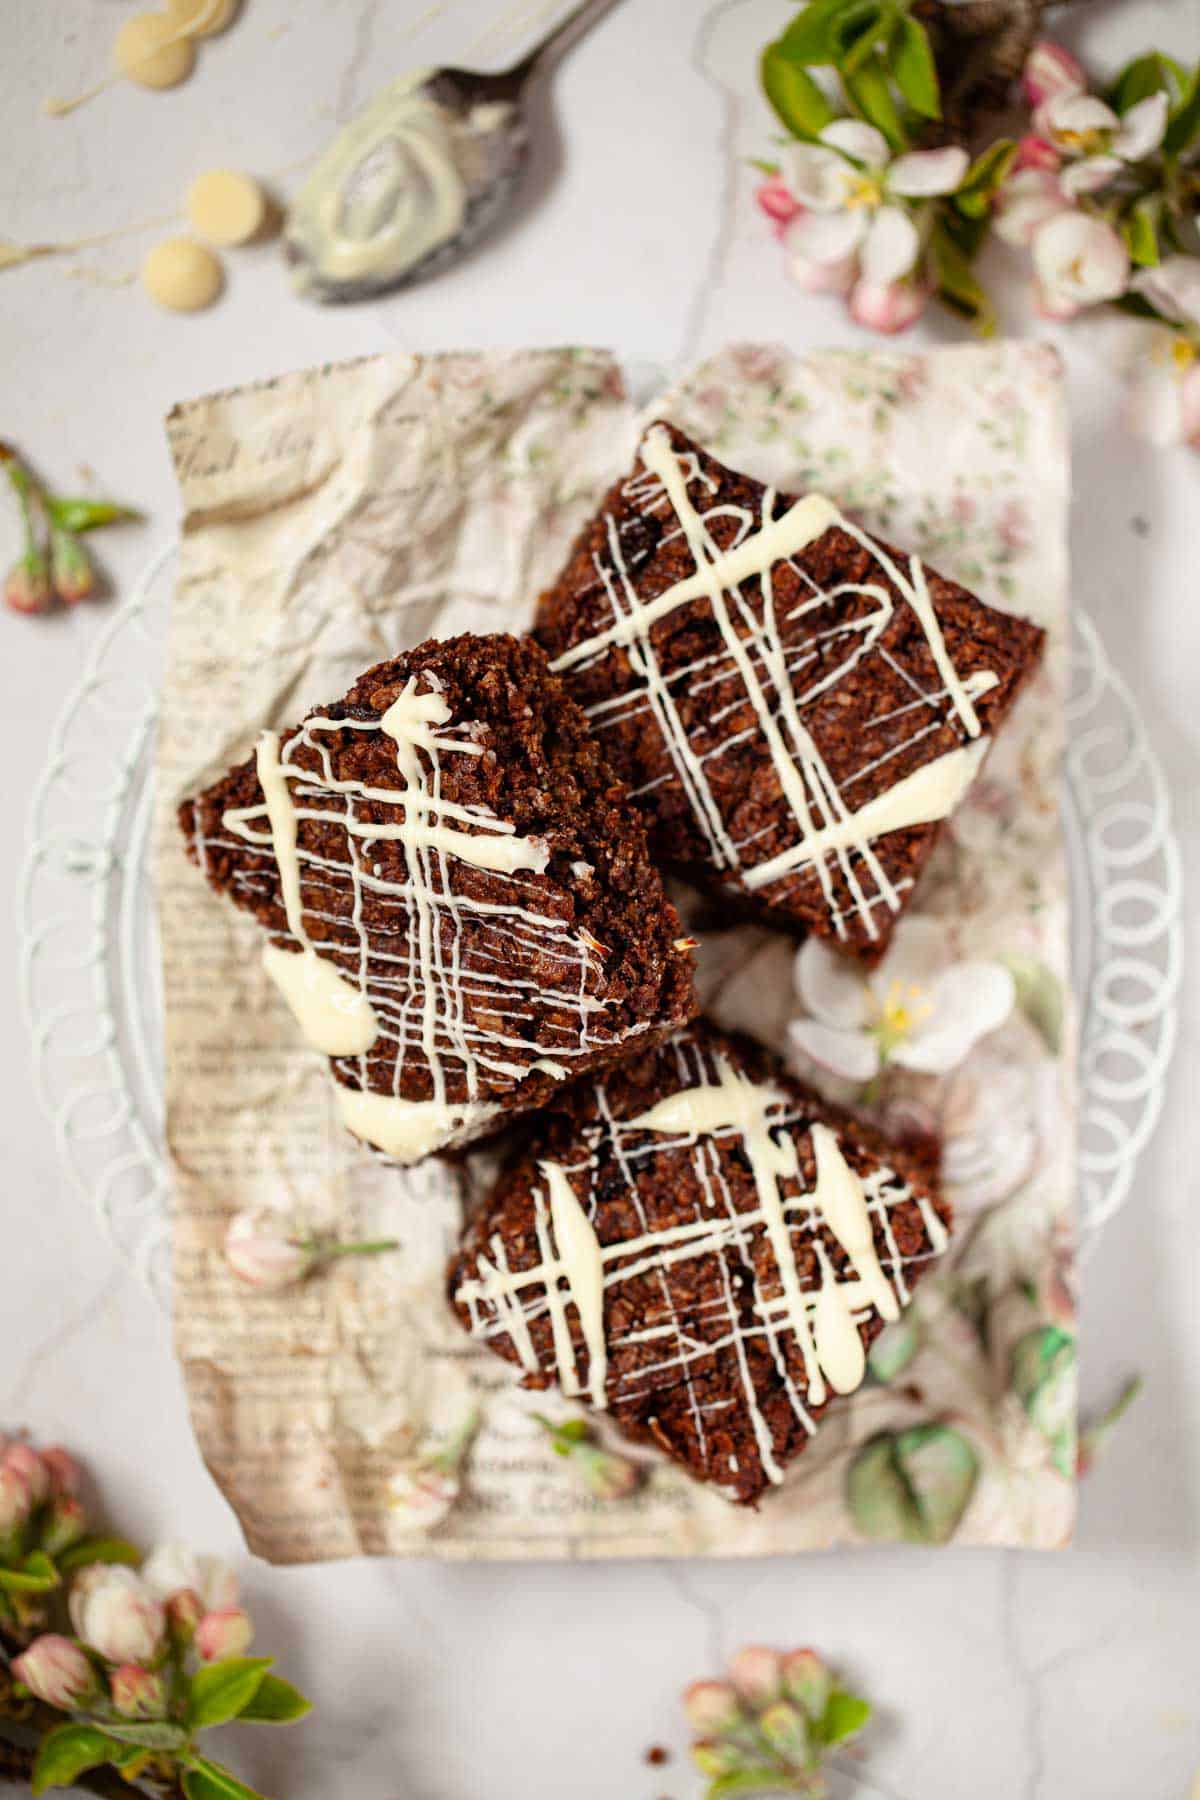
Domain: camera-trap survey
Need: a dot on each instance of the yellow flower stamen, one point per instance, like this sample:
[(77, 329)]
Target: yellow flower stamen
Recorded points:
[(895, 1015), (863, 191), (1084, 143)]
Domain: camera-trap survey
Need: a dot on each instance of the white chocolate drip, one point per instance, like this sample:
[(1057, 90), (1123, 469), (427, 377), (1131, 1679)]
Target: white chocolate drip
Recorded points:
[(439, 983), (715, 1114), (758, 666)]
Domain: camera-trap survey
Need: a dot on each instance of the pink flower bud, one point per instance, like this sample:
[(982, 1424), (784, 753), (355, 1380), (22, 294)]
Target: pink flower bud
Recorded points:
[(28, 1464), (262, 1249), (62, 1469), (777, 200), (1034, 152), (808, 1682), (138, 1693), (711, 1707), (185, 1609), (65, 1524), (27, 586), (888, 306), (57, 1671), (423, 1493), (116, 1615), (16, 1501), (1049, 71), (71, 568), (225, 1633), (757, 1674)]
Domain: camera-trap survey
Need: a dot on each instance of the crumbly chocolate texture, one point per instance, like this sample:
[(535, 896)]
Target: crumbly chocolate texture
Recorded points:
[(831, 632), (703, 1359), (566, 967)]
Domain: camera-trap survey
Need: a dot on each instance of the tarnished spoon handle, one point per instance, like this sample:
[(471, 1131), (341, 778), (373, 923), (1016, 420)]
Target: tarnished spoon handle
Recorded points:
[(572, 24)]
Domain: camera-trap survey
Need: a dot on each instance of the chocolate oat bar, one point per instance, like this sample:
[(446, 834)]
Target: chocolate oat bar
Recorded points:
[(698, 1244), (459, 905), (796, 706)]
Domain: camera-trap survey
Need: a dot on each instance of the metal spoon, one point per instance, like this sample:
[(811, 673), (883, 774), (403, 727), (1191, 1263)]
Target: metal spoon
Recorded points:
[(419, 176)]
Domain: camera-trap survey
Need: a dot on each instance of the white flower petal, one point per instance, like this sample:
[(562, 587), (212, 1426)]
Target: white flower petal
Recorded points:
[(817, 237), (1142, 128), (819, 178), (924, 172), (1088, 176), (852, 1054), (1173, 287), (916, 957), (890, 248), (1027, 200), (861, 141), (1079, 113), (967, 1002), (829, 984), (824, 278)]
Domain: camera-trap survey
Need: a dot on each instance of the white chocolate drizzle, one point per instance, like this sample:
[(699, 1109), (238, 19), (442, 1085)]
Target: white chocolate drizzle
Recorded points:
[(437, 994), (717, 1116), (781, 677)]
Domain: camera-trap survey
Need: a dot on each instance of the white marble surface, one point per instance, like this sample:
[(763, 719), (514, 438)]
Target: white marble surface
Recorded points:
[(1001, 1676)]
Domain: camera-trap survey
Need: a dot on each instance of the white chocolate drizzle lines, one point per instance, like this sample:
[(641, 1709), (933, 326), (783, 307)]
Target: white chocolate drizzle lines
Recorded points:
[(439, 994), (717, 1121), (780, 668)]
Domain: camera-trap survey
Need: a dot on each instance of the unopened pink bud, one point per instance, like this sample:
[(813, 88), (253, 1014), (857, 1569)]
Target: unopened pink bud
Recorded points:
[(71, 568), (225, 1633), (185, 1609), (138, 1693), (1049, 71), (262, 1249), (65, 1525), (777, 200), (57, 1671), (711, 1707), (62, 1468), (888, 306), (28, 1464), (16, 1501), (27, 586), (1034, 152), (757, 1674)]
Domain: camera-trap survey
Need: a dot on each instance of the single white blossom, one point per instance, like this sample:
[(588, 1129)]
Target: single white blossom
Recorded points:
[(1164, 386), (116, 1614), (856, 199), (1079, 261), (172, 1567), (1096, 142), (917, 1009)]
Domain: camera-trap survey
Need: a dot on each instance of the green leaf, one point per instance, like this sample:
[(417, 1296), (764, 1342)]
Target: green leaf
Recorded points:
[(809, 39), (1147, 75), (746, 1781), (153, 1734), (894, 1349), (912, 1486), (1183, 127), (869, 94), (1039, 997), (845, 1715), (99, 1550), (73, 513), (956, 283), (914, 70), (276, 1702), (860, 33), (1042, 1376), (35, 1574), (219, 1691), (974, 194), (1138, 228), (67, 1752), (205, 1780), (794, 94)]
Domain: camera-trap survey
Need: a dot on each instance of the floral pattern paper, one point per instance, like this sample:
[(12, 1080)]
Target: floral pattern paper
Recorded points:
[(321, 1413)]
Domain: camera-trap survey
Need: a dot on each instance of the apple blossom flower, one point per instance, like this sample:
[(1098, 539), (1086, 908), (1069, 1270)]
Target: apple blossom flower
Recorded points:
[(855, 199), (263, 1250), (1095, 142), (57, 1671), (1078, 261), (769, 1726), (64, 1525), (424, 1490), (138, 1693), (1028, 200), (228, 1632), (29, 1465), (776, 199), (1049, 71), (116, 1614), (917, 1009), (1164, 392), (172, 1568), (889, 306)]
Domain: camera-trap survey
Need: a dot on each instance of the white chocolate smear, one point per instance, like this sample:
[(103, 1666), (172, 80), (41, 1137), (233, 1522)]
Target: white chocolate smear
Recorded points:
[(408, 1130), (201, 18), (781, 680), (333, 1016), (153, 51), (715, 1111)]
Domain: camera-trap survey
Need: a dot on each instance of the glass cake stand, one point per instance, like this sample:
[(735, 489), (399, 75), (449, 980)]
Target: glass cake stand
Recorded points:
[(89, 962)]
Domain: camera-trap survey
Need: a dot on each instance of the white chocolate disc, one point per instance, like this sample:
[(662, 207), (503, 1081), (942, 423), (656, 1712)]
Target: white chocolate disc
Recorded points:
[(182, 275), (151, 50), (225, 206), (201, 18)]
